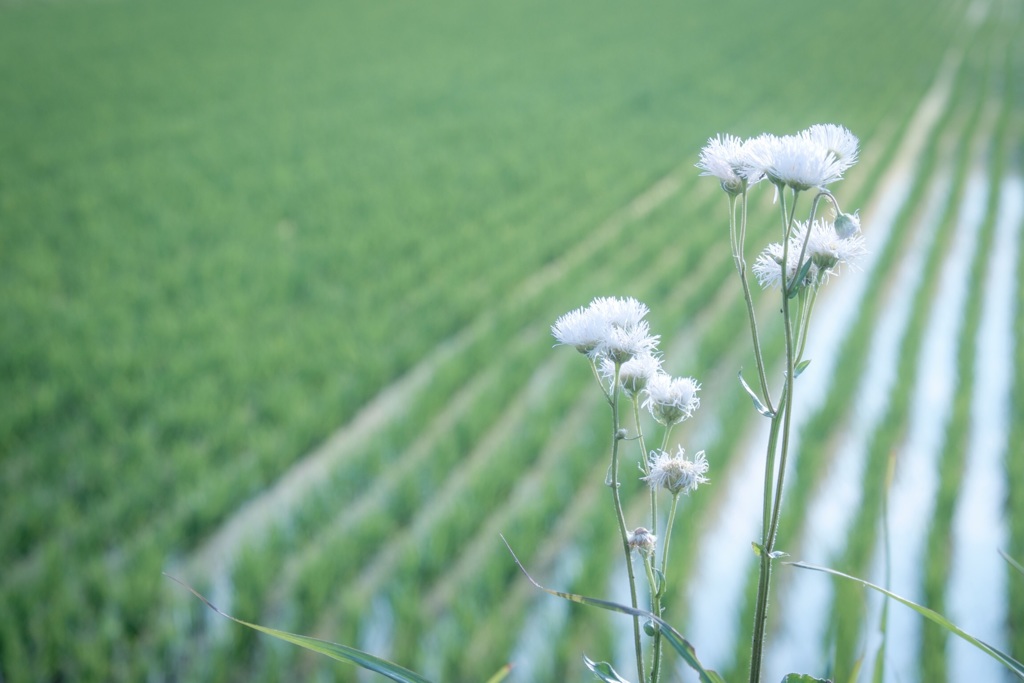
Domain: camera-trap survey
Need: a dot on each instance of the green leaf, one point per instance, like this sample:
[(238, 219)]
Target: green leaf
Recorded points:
[(803, 678), (933, 616), (674, 638), (342, 653), (500, 674), (662, 583), (1013, 563), (604, 671), (800, 367), (759, 550), (796, 284), (855, 672), (758, 406)]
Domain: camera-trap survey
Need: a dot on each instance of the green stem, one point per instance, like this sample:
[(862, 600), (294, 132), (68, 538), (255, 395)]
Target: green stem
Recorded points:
[(738, 237), (656, 659), (645, 465), (807, 233), (623, 533), (764, 580), (655, 609), (787, 323), (769, 468), (806, 307), (668, 534), (654, 493), (771, 472), (787, 420)]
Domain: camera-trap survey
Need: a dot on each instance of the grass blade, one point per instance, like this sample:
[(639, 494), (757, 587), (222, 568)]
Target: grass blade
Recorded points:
[(758, 406), (342, 653), (1013, 563), (933, 616), (500, 674), (675, 639), (604, 671)]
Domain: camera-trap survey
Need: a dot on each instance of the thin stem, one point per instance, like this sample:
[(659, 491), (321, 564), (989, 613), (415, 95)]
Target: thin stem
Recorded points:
[(600, 382), (668, 534), (654, 496), (787, 323), (787, 220), (640, 436), (738, 238), (787, 420), (779, 474), (806, 308), (769, 468), (645, 465), (764, 575), (733, 235), (764, 579), (830, 197), (622, 520), (655, 609)]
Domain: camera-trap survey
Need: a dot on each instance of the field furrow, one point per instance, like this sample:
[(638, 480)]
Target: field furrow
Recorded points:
[(275, 297)]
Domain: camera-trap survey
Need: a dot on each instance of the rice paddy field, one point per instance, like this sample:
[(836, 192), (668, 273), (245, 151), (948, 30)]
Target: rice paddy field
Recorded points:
[(276, 287)]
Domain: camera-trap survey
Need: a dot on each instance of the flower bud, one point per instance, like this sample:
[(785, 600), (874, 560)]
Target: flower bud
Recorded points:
[(734, 186), (642, 541), (847, 225)]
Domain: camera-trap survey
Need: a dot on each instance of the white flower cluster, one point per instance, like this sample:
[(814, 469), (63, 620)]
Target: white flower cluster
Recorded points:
[(826, 249), (675, 472), (814, 157), (614, 335), (609, 328)]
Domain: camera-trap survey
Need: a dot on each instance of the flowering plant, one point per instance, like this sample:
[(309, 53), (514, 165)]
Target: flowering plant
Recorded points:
[(614, 337), (797, 266), (611, 333)]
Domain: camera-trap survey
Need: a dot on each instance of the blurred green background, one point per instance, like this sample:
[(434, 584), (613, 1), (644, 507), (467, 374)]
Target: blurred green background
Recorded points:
[(225, 227)]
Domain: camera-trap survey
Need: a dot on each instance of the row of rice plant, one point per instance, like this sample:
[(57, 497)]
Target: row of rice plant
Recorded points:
[(983, 129), (182, 266)]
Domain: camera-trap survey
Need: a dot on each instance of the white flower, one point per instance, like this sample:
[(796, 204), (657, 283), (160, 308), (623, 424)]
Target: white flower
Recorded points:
[(624, 313), (836, 139), (767, 267), (724, 157), (624, 343), (795, 160), (675, 472), (671, 399), (582, 329), (607, 328), (826, 249), (636, 372)]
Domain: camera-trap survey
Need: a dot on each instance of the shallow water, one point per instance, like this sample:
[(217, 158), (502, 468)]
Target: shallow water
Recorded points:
[(805, 602), (976, 595), (716, 592), (912, 497)]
